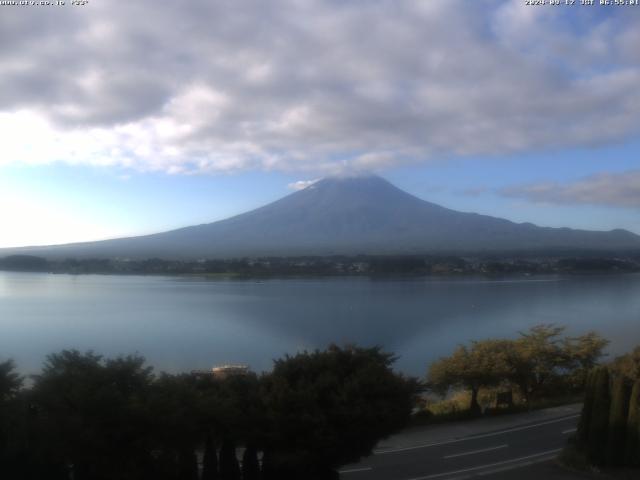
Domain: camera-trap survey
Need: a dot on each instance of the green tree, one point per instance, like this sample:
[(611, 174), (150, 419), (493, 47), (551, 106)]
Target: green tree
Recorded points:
[(178, 427), (12, 427), (484, 364), (240, 415), (632, 450), (10, 380), (535, 359), (229, 467), (229, 409), (92, 414), (188, 464), (209, 461), (329, 408), (583, 354), (628, 365), (618, 422), (250, 464), (599, 423)]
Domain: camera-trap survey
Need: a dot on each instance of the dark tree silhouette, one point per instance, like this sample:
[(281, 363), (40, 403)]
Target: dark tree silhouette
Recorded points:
[(599, 422), (10, 381), (250, 464), (632, 448), (229, 467), (13, 435), (618, 422), (188, 464), (209, 461), (587, 410), (329, 408), (93, 418), (91, 414)]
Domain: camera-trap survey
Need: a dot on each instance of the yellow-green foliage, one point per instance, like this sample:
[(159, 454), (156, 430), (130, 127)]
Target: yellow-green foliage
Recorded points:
[(481, 365), (456, 403), (628, 365), (538, 364)]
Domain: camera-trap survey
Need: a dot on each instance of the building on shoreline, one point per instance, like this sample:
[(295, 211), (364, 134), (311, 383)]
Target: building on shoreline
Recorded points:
[(230, 370)]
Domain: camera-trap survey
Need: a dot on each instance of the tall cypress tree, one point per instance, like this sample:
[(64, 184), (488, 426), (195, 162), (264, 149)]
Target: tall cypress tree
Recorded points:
[(167, 465), (618, 422), (229, 468), (268, 471), (587, 409), (250, 464), (188, 464), (599, 423), (632, 451), (210, 461)]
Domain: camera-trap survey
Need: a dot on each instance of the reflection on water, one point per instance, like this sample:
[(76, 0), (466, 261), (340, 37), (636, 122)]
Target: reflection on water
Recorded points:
[(187, 323)]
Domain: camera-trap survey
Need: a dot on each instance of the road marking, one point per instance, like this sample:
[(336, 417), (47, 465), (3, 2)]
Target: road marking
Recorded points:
[(571, 430), (355, 470), (481, 467), (476, 451), (513, 467), (474, 437)]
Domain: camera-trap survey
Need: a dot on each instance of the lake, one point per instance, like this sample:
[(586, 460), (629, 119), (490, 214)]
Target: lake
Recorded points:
[(185, 323)]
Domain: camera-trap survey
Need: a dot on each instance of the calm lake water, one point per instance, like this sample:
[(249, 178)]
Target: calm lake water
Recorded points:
[(191, 323)]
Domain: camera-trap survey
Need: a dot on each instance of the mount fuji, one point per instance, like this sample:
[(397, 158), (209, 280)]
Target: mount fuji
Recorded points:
[(351, 215)]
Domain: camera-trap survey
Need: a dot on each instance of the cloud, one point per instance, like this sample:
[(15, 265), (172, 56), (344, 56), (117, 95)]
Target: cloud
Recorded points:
[(317, 86), (608, 189), (302, 184), (474, 191)]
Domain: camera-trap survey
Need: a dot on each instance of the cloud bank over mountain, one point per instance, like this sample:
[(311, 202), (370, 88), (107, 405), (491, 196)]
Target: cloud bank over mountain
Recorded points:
[(302, 184), (321, 86), (608, 189)]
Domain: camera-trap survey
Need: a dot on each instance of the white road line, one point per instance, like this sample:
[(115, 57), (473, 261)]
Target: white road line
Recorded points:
[(481, 467), (476, 451), (571, 430), (474, 437), (513, 467), (355, 470)]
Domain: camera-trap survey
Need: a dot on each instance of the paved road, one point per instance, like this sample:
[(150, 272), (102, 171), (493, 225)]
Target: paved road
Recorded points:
[(488, 454)]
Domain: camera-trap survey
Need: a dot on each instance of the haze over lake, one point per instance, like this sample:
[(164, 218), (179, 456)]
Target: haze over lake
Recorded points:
[(184, 323)]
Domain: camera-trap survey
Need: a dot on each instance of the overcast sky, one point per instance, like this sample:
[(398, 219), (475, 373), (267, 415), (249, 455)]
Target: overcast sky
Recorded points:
[(129, 118)]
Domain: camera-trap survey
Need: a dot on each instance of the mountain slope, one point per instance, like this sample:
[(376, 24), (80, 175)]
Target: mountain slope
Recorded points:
[(345, 216)]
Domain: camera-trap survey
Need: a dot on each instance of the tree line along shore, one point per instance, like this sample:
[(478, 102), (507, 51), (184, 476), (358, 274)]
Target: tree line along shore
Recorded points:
[(523, 263)]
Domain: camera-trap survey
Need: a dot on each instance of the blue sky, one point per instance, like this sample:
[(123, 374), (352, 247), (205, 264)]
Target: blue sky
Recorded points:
[(531, 114)]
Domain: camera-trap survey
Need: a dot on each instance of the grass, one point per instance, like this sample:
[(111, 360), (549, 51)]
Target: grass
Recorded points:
[(574, 460), (456, 407)]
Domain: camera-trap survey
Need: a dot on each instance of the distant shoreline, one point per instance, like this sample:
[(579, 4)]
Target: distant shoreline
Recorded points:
[(408, 266)]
